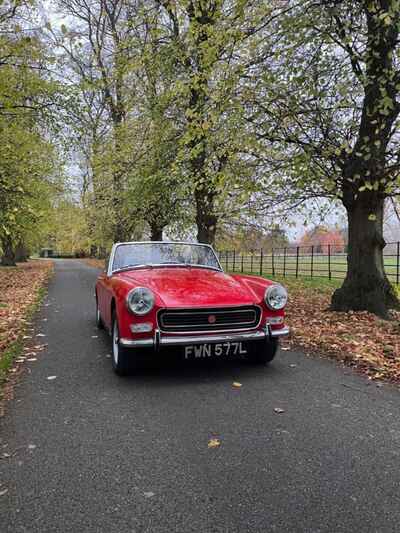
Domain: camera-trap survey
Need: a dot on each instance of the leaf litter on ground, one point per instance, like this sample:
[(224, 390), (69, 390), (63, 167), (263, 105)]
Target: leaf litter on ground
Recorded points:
[(358, 339), (19, 288)]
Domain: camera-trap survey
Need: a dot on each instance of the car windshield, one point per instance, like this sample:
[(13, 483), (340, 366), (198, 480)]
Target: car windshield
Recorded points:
[(150, 254)]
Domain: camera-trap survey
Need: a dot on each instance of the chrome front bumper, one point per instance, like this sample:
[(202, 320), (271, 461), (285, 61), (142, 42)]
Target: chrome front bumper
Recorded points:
[(158, 340)]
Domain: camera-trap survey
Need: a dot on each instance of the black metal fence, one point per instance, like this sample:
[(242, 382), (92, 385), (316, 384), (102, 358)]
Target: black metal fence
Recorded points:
[(323, 261)]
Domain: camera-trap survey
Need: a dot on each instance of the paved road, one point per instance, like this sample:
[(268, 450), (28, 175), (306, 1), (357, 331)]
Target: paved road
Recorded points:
[(97, 453)]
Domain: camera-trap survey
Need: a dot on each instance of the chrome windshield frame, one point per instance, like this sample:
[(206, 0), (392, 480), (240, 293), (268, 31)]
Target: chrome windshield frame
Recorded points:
[(115, 246)]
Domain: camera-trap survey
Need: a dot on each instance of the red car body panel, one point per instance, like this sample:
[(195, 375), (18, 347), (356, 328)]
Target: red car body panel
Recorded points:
[(191, 287), (179, 288)]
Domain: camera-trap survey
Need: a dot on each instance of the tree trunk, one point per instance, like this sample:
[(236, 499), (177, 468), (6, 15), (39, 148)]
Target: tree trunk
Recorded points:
[(366, 287), (206, 220), (156, 232), (8, 258), (120, 227), (119, 230), (21, 253)]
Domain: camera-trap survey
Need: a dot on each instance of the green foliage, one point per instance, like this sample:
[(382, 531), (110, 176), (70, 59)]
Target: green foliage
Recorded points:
[(245, 239), (66, 228), (27, 157), (330, 99), (156, 110)]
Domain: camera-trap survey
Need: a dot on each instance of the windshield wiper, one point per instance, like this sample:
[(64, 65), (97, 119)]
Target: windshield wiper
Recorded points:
[(175, 263), (130, 267)]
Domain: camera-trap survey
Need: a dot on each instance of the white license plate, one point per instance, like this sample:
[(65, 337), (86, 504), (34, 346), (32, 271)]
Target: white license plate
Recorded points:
[(201, 351)]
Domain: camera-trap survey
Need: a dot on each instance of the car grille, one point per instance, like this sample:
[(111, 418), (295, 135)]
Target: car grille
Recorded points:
[(209, 319)]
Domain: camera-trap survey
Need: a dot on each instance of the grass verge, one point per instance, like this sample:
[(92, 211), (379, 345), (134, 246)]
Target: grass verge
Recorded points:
[(34, 292)]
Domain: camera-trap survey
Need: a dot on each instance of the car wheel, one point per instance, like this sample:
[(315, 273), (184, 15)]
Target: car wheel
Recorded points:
[(121, 357), (264, 352), (99, 322)]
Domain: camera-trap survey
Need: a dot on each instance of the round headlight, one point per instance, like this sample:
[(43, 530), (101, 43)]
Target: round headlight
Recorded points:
[(140, 301), (276, 297)]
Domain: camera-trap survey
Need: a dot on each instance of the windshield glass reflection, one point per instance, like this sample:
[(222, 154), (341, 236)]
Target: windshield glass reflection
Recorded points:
[(138, 254)]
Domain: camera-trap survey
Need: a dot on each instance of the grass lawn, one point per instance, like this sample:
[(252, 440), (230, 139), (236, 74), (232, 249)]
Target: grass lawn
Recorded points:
[(317, 266)]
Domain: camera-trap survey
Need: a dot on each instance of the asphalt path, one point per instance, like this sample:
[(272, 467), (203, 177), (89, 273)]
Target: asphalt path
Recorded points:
[(92, 452)]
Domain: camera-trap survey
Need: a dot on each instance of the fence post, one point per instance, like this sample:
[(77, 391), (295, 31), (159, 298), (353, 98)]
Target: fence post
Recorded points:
[(273, 262), (261, 262), (312, 261), (234, 260), (284, 262), (329, 261), (297, 262), (398, 264), (251, 261), (242, 269)]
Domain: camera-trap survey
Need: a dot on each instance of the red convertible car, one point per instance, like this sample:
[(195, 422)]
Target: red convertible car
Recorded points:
[(159, 295)]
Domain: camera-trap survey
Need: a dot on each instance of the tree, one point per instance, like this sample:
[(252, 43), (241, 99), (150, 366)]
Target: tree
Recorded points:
[(121, 114), (66, 229), (211, 40), (331, 102), (26, 155), (180, 147), (97, 52), (250, 238)]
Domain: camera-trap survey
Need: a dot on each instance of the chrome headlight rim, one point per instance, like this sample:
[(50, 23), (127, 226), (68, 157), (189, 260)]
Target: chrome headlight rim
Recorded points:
[(140, 296), (268, 294)]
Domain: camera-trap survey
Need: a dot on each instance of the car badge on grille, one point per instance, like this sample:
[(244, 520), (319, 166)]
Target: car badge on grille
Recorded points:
[(212, 319)]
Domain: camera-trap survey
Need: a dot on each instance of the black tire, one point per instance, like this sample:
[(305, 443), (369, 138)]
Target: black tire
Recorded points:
[(99, 321), (123, 359), (263, 352)]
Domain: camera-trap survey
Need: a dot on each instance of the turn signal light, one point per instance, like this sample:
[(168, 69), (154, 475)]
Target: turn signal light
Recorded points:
[(142, 327), (275, 320)]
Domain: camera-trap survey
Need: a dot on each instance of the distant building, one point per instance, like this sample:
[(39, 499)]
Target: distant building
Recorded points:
[(320, 237)]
